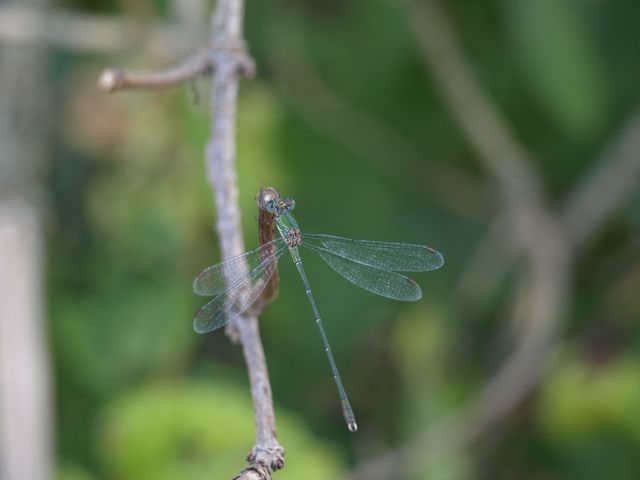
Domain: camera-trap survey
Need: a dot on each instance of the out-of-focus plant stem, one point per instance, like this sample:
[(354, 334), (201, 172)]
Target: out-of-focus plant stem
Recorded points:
[(26, 446)]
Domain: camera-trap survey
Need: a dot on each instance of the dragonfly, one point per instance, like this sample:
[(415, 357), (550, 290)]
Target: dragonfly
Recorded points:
[(236, 284)]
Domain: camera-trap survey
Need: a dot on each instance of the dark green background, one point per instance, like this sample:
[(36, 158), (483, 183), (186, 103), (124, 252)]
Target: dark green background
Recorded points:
[(344, 117)]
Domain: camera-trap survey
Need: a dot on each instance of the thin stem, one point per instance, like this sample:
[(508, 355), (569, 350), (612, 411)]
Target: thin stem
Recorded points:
[(545, 281), (112, 79), (226, 56), (230, 59), (606, 186)]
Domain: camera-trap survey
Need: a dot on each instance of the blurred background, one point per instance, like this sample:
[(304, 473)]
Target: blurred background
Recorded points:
[(504, 133)]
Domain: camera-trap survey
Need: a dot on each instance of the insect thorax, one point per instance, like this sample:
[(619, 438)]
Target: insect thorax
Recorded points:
[(293, 237), (289, 230)]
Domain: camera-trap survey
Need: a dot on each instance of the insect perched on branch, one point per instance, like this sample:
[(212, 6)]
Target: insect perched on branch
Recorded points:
[(238, 283)]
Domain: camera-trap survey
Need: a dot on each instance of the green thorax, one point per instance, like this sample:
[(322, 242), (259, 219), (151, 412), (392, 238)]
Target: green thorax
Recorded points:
[(285, 223)]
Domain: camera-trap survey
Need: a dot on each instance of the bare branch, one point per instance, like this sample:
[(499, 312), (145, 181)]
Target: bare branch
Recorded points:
[(226, 54), (230, 58), (112, 79), (26, 406), (487, 131), (546, 273), (493, 256), (606, 186), (546, 279), (485, 128), (255, 471)]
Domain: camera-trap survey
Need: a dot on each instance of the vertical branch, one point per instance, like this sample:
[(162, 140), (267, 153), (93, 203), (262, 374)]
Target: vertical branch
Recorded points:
[(230, 59), (226, 43), (611, 181), (25, 384), (226, 57), (25, 410)]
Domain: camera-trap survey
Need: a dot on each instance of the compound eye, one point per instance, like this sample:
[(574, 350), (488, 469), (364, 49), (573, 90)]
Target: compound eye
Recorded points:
[(270, 206), (290, 203)]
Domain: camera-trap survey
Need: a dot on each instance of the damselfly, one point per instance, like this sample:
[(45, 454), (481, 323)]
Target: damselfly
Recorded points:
[(237, 283)]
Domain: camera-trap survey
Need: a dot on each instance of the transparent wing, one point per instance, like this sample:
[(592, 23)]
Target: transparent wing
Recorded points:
[(381, 282), (237, 298), (216, 279), (398, 257)]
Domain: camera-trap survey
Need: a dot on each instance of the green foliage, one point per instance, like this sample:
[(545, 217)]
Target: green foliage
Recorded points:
[(589, 416), (560, 62), (108, 339), (580, 400), (450, 465), (131, 223), (193, 430), (421, 344)]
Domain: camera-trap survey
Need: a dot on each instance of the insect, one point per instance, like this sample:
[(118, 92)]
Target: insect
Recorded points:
[(237, 283)]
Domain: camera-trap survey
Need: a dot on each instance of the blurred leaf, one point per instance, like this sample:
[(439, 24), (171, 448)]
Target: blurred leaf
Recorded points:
[(195, 430), (599, 457), (560, 62), (580, 400), (109, 338), (449, 465), (421, 344)]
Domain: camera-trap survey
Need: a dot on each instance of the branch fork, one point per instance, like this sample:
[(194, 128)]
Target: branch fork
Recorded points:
[(271, 456), (203, 62)]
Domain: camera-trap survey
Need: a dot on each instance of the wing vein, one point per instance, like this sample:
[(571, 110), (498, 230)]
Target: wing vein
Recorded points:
[(376, 280)]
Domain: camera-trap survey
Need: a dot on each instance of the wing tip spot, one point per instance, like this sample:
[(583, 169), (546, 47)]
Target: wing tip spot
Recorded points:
[(440, 262), (418, 292)]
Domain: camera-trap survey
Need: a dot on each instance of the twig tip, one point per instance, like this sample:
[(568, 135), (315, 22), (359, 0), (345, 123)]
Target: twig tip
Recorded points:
[(110, 79)]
